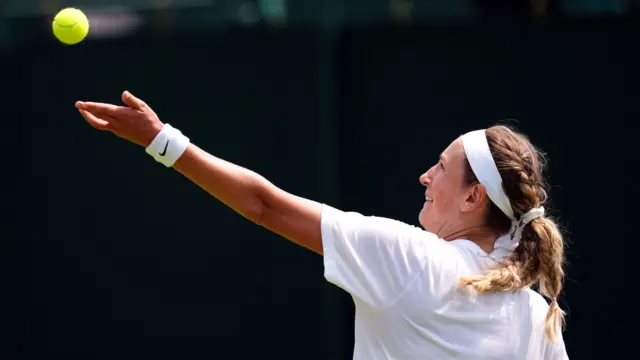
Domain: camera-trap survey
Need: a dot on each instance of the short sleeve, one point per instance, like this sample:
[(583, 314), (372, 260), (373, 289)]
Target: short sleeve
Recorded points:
[(374, 259)]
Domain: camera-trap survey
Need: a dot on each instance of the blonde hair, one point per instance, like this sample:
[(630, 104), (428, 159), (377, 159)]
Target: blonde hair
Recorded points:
[(539, 257)]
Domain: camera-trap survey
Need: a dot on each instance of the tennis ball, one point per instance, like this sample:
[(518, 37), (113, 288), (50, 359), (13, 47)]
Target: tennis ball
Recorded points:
[(70, 26)]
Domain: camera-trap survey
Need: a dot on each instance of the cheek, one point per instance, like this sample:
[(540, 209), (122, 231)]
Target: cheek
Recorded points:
[(445, 197)]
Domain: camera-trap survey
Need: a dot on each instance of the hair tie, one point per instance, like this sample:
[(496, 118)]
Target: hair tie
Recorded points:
[(526, 218), (531, 215)]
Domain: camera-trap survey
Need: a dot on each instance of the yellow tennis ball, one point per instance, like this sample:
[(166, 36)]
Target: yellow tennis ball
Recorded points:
[(70, 26)]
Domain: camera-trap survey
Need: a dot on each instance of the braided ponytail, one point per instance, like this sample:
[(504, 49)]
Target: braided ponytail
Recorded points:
[(551, 252), (539, 257)]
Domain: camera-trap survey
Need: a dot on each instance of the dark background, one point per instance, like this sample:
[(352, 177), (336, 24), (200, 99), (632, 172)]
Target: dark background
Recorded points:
[(110, 255)]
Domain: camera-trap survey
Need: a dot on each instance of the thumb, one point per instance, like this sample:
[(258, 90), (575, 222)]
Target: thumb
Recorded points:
[(132, 101)]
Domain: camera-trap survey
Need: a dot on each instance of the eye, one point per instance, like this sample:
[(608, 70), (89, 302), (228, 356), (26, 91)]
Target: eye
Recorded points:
[(441, 165)]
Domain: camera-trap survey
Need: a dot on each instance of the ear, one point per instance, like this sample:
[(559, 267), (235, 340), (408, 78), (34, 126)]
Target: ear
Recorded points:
[(475, 198)]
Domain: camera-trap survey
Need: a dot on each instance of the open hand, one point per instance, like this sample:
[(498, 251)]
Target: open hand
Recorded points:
[(136, 122)]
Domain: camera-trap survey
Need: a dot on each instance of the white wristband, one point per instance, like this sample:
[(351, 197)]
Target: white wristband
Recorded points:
[(168, 145)]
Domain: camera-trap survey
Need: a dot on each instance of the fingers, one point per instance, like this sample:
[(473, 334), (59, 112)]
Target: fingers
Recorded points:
[(94, 121), (98, 108), (132, 101)]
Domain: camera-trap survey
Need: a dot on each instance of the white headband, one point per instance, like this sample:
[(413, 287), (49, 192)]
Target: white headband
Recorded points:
[(484, 167)]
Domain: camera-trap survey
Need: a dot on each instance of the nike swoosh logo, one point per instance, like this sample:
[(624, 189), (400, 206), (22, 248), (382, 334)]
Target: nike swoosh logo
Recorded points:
[(163, 153)]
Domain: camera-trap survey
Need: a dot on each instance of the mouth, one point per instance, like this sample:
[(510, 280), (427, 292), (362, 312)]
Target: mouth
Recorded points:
[(428, 199)]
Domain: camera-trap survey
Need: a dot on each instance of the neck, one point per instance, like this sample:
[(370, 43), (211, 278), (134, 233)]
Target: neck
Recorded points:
[(483, 236)]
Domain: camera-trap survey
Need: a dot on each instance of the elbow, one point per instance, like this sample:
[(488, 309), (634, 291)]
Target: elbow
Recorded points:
[(258, 212), (254, 204), (263, 202)]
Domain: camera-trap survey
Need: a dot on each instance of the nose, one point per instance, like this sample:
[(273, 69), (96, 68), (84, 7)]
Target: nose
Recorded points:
[(425, 179)]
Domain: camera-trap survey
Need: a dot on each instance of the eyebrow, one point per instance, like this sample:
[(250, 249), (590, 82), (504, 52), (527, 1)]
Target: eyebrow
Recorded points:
[(442, 158)]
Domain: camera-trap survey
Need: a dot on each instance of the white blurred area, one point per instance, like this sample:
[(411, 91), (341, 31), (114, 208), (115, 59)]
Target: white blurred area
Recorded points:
[(112, 23)]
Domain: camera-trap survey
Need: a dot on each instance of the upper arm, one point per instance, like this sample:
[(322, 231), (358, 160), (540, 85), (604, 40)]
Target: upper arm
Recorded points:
[(293, 217)]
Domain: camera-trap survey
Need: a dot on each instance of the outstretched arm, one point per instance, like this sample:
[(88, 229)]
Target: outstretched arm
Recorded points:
[(243, 190), (374, 259), (254, 197)]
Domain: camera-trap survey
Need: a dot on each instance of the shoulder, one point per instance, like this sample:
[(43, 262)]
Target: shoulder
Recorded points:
[(331, 215), (381, 239), (373, 228), (376, 258)]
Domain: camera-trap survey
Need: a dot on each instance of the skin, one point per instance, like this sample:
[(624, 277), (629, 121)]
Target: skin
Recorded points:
[(456, 211)]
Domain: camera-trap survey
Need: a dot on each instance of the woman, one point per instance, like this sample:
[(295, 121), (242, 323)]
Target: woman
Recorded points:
[(459, 289)]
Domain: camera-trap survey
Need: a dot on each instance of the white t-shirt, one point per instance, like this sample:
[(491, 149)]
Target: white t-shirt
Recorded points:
[(404, 281)]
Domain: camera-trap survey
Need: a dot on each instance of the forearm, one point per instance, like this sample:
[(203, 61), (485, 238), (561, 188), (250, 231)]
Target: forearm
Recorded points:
[(241, 189), (255, 198)]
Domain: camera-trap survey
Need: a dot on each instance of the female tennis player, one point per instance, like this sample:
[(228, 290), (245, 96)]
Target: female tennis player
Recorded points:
[(459, 289)]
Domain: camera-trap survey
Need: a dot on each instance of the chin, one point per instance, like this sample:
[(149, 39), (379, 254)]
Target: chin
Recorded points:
[(427, 225), (422, 220)]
